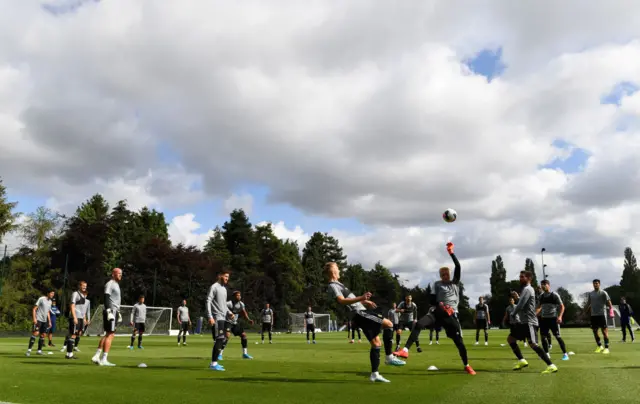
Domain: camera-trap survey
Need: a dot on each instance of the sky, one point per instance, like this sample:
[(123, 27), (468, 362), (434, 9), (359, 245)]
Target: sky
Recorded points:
[(363, 119)]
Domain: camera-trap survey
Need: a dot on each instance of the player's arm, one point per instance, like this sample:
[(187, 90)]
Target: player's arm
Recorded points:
[(33, 313), (486, 307), (457, 269), (609, 304), (132, 315), (504, 319), (273, 317), (210, 297), (245, 315), (344, 301), (49, 318), (526, 295), (538, 307), (87, 315)]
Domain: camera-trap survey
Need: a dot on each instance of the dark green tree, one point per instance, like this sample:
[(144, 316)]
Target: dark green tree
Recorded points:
[(630, 282), (7, 214), (531, 267), (499, 289), (40, 227), (216, 247), (320, 249), (240, 237)]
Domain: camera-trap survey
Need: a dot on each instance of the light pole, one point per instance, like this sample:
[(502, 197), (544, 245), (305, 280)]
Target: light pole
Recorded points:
[(544, 267)]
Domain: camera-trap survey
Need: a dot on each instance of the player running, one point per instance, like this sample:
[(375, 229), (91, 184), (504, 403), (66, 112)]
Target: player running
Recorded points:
[(444, 311), (482, 319), (626, 313), (110, 318), (525, 325), (237, 308), (217, 310), (551, 309), (596, 302), (182, 314), (408, 317), (310, 324), (41, 315), (138, 321), (78, 309), (369, 321), (267, 321)]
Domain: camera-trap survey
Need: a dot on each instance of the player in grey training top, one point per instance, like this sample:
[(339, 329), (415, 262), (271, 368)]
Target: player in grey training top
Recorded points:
[(267, 321), (110, 317), (78, 309), (182, 315), (527, 324), (41, 315), (408, 316), (600, 303), (482, 320), (310, 324), (217, 313), (237, 310), (551, 309), (138, 321)]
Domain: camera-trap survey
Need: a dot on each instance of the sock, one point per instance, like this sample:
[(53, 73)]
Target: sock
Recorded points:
[(387, 338), (437, 336), (314, 336), (606, 342), (545, 344), (184, 338), (308, 335), (413, 337), (217, 347), (417, 343), (40, 343), (70, 344), (263, 336), (562, 345), (77, 341), (32, 341), (374, 357), (597, 337), (516, 350), (541, 354), (397, 339), (269, 335), (462, 350), (179, 337), (139, 339), (133, 338), (477, 335), (486, 336), (98, 352), (105, 356), (244, 343), (359, 337)]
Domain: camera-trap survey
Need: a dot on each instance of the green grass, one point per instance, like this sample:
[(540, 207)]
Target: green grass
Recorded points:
[(290, 371)]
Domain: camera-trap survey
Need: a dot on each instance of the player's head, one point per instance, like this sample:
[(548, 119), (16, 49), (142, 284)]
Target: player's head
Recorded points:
[(82, 286), (51, 293), (309, 308), (445, 274), (393, 305), (116, 274), (237, 295), (512, 300), (331, 271), (481, 299), (184, 302), (596, 284), (408, 299), (623, 300), (525, 277), (223, 276), (267, 305), (141, 299), (546, 286)]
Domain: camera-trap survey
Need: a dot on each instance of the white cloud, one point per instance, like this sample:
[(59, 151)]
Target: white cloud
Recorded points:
[(184, 229), (236, 201)]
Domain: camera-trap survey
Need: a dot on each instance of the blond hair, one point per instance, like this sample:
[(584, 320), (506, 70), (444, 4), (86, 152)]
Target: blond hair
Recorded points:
[(327, 268), (445, 269)]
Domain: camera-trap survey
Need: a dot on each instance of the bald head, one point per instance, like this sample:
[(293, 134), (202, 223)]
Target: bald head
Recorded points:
[(116, 274)]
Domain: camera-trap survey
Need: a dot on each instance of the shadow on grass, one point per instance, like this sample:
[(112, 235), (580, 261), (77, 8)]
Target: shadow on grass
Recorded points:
[(275, 380)]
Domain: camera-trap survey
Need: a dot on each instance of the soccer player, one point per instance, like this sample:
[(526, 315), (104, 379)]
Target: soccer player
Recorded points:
[(110, 318), (596, 302), (547, 338), (435, 330), (551, 309), (55, 312), (41, 314), (508, 313), (217, 310), (267, 321), (237, 309), (77, 318), (182, 314), (408, 316), (482, 319), (138, 320), (394, 317), (444, 311), (354, 329), (370, 322), (626, 312), (525, 325), (310, 323)]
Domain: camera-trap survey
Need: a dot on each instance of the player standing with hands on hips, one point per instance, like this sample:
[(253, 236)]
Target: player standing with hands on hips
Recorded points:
[(110, 317)]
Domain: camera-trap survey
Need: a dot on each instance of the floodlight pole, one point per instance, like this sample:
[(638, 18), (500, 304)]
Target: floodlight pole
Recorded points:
[(544, 272)]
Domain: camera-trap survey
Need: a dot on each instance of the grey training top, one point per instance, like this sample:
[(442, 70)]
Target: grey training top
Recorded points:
[(447, 293), (337, 289), (112, 295), (139, 313), (81, 304), (598, 300), (42, 312), (183, 314), (267, 315), (549, 304), (393, 315), (310, 317), (217, 302), (410, 311), (526, 307), (236, 308), (481, 311)]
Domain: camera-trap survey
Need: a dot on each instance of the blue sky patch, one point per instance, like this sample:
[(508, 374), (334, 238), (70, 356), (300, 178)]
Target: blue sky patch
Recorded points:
[(487, 63)]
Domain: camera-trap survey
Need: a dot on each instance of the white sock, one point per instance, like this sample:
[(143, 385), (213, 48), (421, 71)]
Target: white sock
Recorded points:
[(244, 351), (221, 352), (389, 358), (29, 350), (375, 374), (214, 363), (104, 356), (98, 352)]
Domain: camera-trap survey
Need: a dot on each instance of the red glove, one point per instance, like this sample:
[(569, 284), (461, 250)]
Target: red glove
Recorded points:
[(450, 247), (447, 309)]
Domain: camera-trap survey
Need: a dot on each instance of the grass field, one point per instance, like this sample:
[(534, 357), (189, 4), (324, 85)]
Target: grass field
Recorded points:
[(290, 371)]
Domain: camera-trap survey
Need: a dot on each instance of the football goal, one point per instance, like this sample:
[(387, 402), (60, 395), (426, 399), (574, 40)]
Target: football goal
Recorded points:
[(158, 321), (297, 322)]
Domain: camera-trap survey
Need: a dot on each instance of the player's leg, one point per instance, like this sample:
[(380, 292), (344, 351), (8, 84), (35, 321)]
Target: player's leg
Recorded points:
[(431, 336), (399, 329), (77, 339), (544, 331), (426, 322), (605, 336), (532, 339), (516, 334), (453, 330), (224, 344), (133, 336), (417, 341), (308, 333), (631, 334), (477, 332), (595, 325), (141, 330), (70, 340), (437, 336), (270, 333), (555, 330), (220, 336), (359, 336), (179, 334), (264, 329), (185, 330), (34, 335), (486, 332), (624, 331)]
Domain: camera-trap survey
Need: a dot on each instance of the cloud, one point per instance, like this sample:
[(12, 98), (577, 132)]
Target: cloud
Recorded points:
[(235, 201)]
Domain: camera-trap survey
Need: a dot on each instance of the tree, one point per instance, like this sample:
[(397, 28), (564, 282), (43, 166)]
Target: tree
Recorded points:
[(240, 237), (531, 267), (216, 247), (571, 308), (499, 289), (630, 282), (384, 284), (40, 227), (7, 216), (320, 249)]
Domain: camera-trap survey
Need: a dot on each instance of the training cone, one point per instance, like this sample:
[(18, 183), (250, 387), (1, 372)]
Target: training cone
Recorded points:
[(432, 368), (142, 365)]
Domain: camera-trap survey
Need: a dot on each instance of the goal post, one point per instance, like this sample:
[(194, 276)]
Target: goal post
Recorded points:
[(158, 321), (298, 323)]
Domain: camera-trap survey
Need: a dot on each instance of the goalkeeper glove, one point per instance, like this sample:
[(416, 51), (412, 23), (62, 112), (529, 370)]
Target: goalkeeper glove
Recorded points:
[(110, 315), (447, 309)]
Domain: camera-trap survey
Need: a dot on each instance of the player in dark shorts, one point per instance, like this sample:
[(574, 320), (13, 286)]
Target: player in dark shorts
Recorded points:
[(408, 316), (369, 321), (626, 313), (443, 312), (482, 319), (41, 315), (550, 310), (138, 321), (310, 324), (267, 322), (184, 319), (599, 302), (354, 329), (436, 331), (508, 320), (78, 309), (237, 311)]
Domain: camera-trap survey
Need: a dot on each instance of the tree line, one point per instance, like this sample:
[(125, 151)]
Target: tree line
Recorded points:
[(59, 251)]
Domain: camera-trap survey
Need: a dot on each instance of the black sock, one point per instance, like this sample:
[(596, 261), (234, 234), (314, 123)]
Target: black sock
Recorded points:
[(139, 339), (263, 336), (32, 341), (387, 338), (217, 347), (413, 337), (70, 344), (462, 350), (562, 345), (184, 338), (179, 337), (40, 343), (359, 337), (398, 339), (313, 336), (374, 357), (224, 344), (486, 336), (417, 343), (545, 344), (516, 350), (606, 342), (77, 341), (269, 335), (133, 339), (541, 354), (244, 343), (597, 337), (437, 336), (477, 335), (308, 332)]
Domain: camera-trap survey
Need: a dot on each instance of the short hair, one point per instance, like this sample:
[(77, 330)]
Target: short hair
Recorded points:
[(49, 290), (235, 292), (482, 297), (140, 297), (527, 274), (408, 296), (545, 282), (327, 268), (82, 282), (596, 280), (224, 271), (445, 269)]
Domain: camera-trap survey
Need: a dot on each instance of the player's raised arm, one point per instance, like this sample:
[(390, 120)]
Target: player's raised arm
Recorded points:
[(457, 270)]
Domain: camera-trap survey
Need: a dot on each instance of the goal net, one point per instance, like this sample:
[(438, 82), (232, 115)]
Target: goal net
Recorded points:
[(298, 323), (158, 321)]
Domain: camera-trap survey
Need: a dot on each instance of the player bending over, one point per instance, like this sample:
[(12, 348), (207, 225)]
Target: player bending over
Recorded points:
[(110, 318), (596, 302), (626, 312), (525, 325), (78, 309), (437, 332), (482, 319), (182, 315), (408, 317), (237, 309), (267, 321), (41, 315), (137, 321), (217, 310), (551, 309), (310, 324), (444, 311), (369, 321)]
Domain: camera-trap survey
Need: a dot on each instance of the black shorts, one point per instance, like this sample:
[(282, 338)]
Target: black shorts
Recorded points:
[(140, 327), (524, 332), (184, 326), (598, 322), (481, 324), (266, 327), (396, 327), (41, 327), (369, 322), (220, 329), (406, 324), (438, 319), (549, 325), (236, 329), (311, 327), (75, 329), (109, 325)]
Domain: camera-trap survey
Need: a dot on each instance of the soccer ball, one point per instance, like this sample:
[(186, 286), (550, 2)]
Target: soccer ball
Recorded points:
[(450, 215)]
